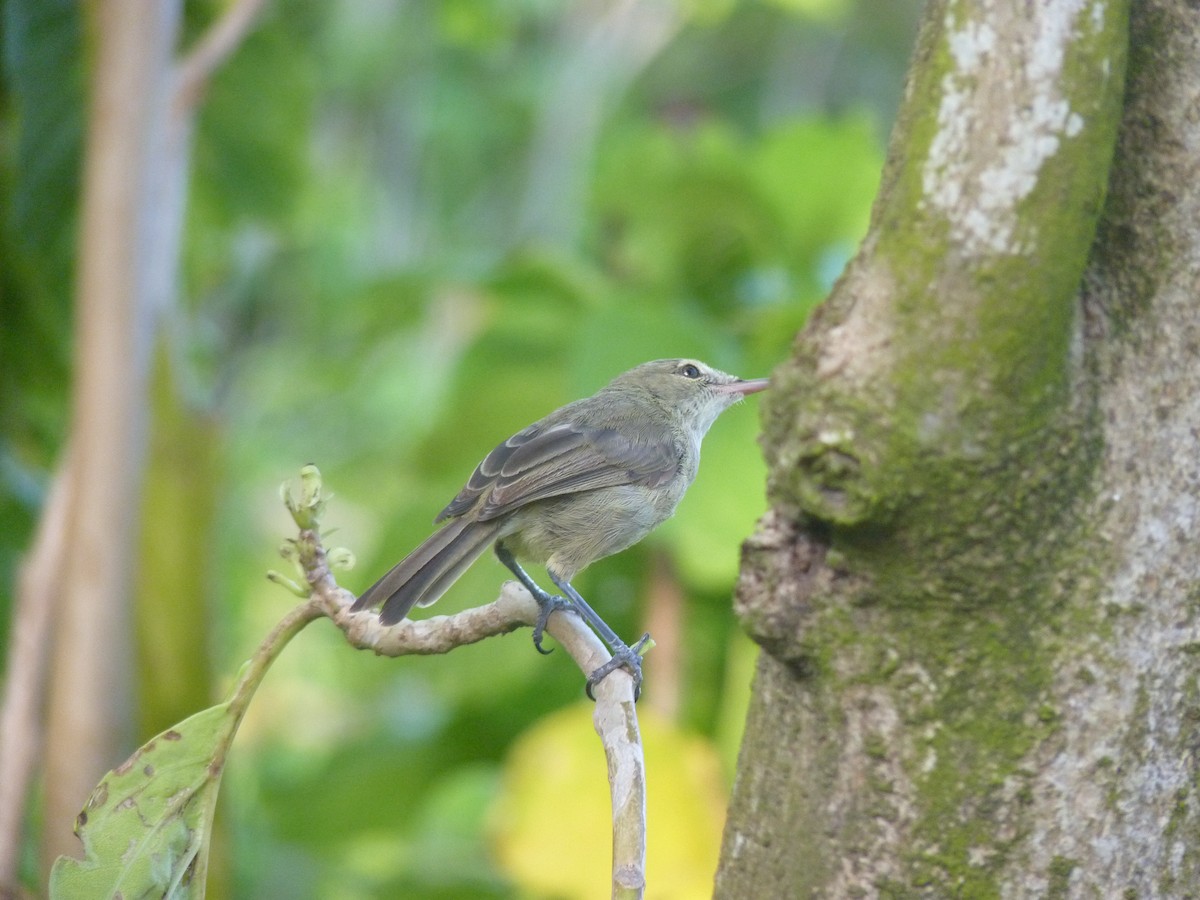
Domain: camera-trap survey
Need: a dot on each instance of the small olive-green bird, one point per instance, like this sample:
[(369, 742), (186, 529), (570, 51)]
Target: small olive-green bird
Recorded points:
[(587, 481)]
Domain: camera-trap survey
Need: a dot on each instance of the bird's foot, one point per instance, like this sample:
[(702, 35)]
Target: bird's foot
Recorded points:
[(623, 657), (547, 604)]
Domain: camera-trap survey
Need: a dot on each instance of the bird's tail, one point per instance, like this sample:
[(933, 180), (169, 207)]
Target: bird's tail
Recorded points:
[(425, 574)]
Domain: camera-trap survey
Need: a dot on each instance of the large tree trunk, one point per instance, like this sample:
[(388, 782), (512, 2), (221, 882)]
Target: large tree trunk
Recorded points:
[(976, 586)]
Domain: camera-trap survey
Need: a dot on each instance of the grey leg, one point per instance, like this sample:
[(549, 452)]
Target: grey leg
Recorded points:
[(623, 656), (547, 603)]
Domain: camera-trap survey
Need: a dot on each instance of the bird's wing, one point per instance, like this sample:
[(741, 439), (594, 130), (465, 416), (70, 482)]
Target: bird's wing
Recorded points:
[(566, 458)]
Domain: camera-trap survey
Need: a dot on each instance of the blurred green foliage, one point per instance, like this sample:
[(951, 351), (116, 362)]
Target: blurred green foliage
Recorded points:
[(362, 289), (41, 96)]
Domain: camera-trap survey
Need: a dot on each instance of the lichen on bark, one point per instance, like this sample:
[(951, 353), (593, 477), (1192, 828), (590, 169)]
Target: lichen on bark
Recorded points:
[(947, 353), (928, 444)]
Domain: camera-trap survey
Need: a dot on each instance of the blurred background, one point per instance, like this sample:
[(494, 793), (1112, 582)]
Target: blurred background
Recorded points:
[(412, 229)]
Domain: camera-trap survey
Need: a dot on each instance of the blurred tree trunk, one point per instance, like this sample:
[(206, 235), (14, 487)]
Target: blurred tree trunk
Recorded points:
[(90, 711), (140, 121), (602, 47), (976, 588)]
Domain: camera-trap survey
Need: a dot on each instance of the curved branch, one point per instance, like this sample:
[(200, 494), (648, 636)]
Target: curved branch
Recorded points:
[(615, 716)]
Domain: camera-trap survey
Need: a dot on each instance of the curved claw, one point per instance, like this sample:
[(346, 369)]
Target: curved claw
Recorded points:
[(547, 604), (628, 658)]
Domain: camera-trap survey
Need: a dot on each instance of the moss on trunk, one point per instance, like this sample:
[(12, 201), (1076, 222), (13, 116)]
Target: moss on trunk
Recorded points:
[(931, 445)]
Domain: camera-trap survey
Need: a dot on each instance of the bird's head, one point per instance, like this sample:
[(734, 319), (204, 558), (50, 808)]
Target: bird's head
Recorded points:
[(691, 390)]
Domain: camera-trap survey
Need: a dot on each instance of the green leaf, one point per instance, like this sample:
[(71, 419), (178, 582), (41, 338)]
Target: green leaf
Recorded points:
[(145, 828), (44, 53)]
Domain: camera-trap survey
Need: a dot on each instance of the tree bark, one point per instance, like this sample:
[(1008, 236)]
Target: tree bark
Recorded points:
[(975, 587)]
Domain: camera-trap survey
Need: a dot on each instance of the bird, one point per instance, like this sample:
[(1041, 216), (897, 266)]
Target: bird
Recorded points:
[(586, 481)]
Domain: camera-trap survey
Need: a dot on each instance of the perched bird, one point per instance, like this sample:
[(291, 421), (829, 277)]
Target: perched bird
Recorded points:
[(587, 481)]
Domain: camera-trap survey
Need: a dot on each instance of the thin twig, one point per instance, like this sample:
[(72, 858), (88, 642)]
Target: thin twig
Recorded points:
[(211, 50)]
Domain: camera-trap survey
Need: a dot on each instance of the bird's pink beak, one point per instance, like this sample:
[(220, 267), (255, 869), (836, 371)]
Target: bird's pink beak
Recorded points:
[(743, 387)]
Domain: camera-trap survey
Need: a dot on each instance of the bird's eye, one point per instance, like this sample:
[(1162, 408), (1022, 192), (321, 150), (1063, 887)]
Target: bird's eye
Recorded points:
[(689, 371)]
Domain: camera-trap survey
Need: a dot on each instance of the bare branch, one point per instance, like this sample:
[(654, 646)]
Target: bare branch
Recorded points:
[(615, 716), (513, 609), (210, 52)]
